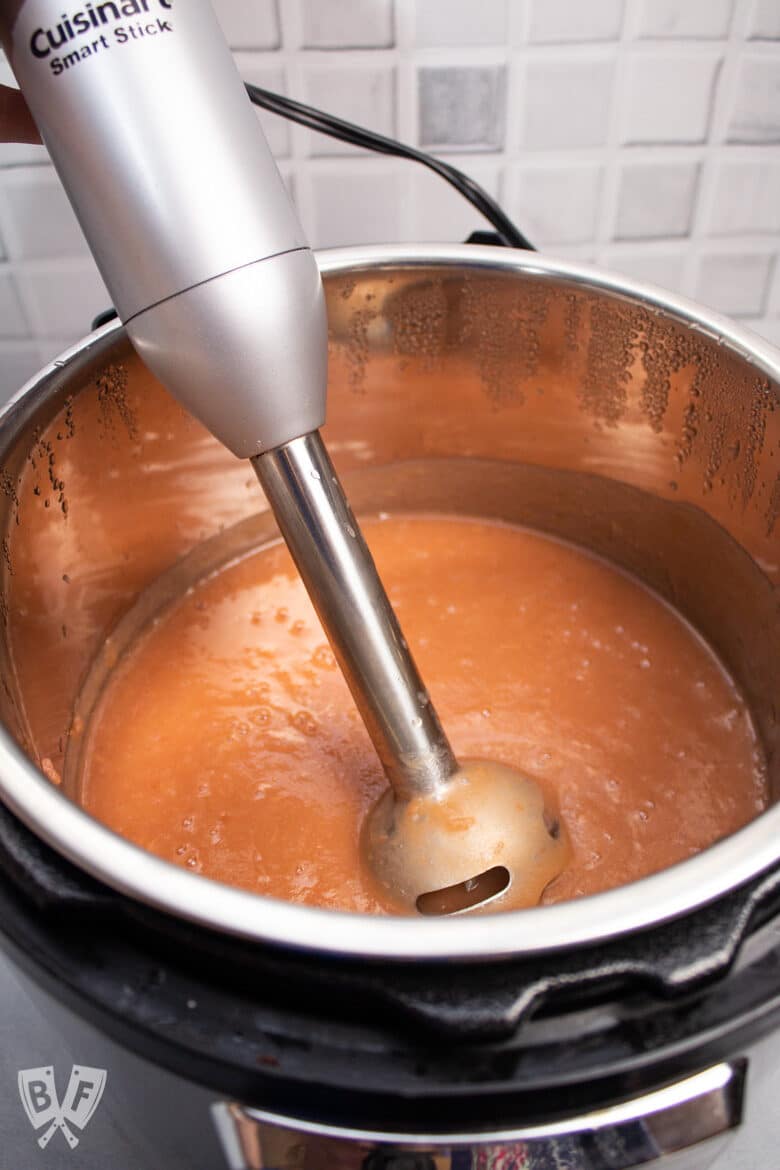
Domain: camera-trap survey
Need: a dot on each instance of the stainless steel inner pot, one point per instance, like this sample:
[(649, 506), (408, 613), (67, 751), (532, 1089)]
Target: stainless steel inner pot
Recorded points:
[(477, 380)]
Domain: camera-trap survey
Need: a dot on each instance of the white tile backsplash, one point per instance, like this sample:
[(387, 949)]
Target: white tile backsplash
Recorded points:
[(249, 24), (462, 106), (746, 198), (767, 328), (641, 134), (19, 360), (755, 115), (664, 268), (61, 298), (19, 154), (734, 283), (442, 22), (574, 21), (13, 322), (436, 212), (697, 19), (764, 20), (360, 93), (669, 97), (347, 24), (36, 217), (354, 205), (773, 298), (656, 199), (568, 99), (555, 204)]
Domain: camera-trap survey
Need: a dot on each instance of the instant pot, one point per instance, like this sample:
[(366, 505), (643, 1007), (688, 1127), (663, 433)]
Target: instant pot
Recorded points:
[(635, 1027)]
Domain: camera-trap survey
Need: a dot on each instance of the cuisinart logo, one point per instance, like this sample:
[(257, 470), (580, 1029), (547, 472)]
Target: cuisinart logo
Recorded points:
[(82, 1097), (79, 28)]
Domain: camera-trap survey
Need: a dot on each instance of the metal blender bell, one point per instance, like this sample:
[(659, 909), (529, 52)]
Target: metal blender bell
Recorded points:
[(157, 146)]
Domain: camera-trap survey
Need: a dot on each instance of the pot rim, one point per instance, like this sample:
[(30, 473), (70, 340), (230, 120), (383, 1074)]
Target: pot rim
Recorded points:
[(142, 876)]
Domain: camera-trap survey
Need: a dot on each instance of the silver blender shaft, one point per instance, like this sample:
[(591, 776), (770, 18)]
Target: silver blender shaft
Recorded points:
[(340, 575), (191, 226)]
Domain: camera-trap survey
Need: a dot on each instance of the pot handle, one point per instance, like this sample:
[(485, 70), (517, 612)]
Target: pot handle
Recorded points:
[(37, 870), (704, 1107), (674, 958)]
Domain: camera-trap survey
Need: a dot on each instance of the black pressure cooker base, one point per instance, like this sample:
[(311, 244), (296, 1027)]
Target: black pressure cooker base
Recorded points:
[(394, 1045)]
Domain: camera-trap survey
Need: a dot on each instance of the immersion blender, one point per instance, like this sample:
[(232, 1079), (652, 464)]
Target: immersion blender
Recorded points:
[(156, 143)]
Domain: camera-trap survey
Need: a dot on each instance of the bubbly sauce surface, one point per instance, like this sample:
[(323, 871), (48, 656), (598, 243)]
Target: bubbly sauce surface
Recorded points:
[(226, 740)]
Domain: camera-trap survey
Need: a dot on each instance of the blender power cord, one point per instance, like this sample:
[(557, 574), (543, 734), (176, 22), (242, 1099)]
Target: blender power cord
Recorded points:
[(358, 136)]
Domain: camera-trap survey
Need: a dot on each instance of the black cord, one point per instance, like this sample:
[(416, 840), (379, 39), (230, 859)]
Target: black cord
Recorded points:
[(358, 136)]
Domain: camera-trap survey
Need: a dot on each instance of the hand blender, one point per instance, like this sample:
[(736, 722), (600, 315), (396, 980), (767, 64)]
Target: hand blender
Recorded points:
[(159, 150)]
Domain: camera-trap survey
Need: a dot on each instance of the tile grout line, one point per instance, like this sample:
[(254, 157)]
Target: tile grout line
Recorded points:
[(720, 107), (610, 193)]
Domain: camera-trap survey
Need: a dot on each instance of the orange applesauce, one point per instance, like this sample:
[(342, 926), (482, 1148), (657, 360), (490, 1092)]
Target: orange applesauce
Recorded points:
[(226, 740)]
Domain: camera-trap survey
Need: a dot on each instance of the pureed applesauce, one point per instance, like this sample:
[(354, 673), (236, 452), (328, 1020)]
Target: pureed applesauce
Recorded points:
[(226, 740)]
